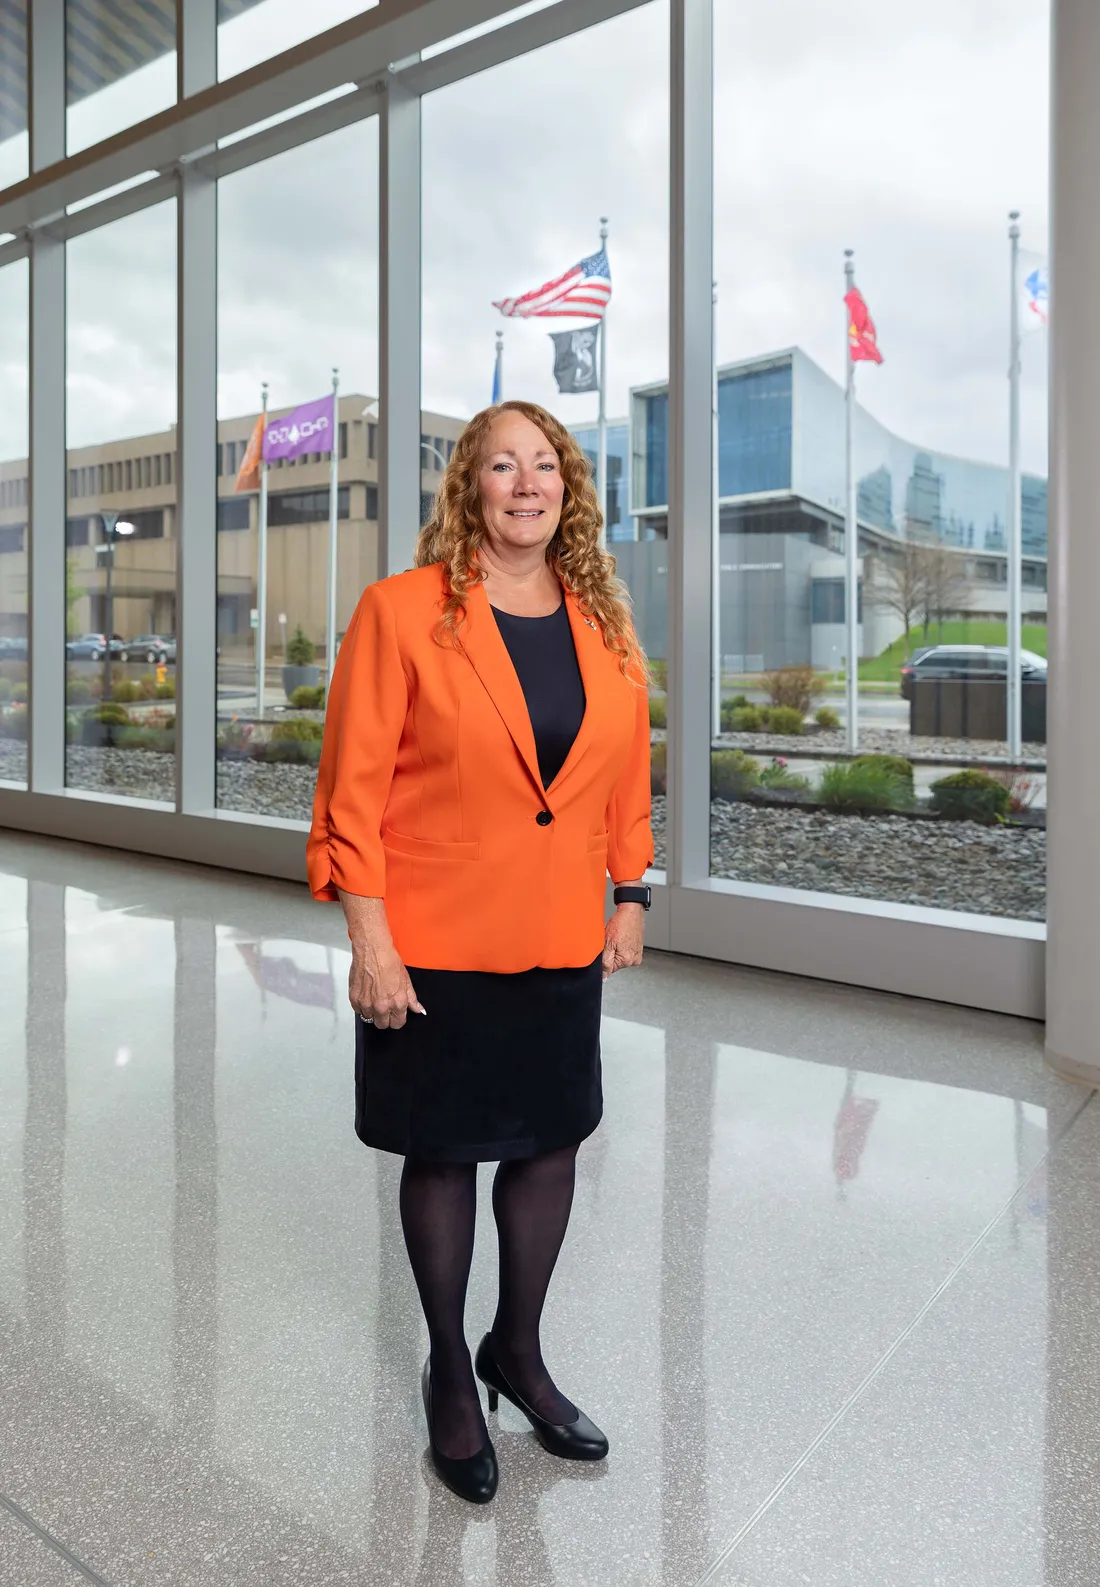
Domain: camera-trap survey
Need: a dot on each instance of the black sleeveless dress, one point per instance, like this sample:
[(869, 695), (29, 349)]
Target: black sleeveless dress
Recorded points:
[(500, 1066)]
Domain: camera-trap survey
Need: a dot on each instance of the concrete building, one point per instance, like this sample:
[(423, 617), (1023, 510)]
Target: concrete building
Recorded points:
[(136, 478)]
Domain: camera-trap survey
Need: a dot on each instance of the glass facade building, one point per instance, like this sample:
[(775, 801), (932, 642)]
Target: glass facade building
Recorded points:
[(781, 431)]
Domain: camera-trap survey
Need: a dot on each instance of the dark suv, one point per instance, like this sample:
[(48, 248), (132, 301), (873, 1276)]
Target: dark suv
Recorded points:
[(977, 663)]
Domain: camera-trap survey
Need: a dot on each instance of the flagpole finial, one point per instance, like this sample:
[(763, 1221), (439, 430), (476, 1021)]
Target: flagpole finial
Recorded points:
[(1014, 230), (603, 228)]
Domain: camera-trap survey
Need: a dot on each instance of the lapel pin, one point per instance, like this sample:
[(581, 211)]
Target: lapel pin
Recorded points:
[(590, 623)]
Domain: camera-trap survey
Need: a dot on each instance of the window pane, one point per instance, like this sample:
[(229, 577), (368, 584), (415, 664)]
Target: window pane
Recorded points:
[(590, 79), (14, 545), (250, 31), (280, 224), (931, 441), (120, 66), (13, 92), (121, 542)]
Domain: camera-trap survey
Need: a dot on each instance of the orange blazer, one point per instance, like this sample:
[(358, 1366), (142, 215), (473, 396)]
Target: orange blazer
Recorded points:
[(429, 795)]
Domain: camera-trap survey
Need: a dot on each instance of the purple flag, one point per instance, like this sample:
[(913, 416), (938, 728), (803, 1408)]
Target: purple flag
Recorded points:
[(308, 429)]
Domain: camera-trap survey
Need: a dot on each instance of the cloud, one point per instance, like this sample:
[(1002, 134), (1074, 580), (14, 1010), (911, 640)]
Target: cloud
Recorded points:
[(906, 133)]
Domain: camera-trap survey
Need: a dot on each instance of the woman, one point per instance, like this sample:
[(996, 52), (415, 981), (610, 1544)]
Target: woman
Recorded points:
[(485, 763)]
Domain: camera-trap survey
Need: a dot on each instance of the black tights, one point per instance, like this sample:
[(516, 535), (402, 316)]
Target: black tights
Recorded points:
[(532, 1198)]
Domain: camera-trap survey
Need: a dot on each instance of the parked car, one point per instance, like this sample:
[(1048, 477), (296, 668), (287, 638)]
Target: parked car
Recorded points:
[(12, 648), (978, 663), (93, 647), (154, 648)]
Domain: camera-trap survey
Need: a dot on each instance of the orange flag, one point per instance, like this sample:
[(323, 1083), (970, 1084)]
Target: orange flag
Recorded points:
[(862, 337), (249, 476)]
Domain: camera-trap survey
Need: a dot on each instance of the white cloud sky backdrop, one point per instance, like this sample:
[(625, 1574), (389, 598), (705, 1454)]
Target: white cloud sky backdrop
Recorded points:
[(906, 133)]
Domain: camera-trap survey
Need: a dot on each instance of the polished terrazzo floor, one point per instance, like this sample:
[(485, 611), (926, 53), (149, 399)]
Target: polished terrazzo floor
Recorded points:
[(831, 1284)]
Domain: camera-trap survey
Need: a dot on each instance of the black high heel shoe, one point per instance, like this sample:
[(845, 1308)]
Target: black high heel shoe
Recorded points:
[(475, 1476), (579, 1440)]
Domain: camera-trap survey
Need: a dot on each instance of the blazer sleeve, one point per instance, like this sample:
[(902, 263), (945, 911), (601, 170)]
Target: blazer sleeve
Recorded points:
[(366, 710), (629, 834)]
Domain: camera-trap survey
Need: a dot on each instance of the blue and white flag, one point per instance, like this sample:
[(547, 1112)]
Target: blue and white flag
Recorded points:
[(1034, 292)]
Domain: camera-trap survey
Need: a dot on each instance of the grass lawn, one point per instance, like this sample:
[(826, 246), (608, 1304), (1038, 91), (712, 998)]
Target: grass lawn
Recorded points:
[(887, 667)]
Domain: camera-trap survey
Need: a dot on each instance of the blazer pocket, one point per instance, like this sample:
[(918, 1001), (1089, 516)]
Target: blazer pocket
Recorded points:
[(428, 848), (597, 844)]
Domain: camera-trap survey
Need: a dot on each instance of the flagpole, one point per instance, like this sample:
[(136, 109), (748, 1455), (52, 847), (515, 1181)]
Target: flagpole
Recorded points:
[(851, 546), (333, 527), (498, 372), (1015, 525), (716, 532), (261, 572), (601, 453)]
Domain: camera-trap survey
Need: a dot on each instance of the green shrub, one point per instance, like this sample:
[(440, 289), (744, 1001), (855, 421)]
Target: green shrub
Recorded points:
[(776, 775), (301, 651), (658, 710), (79, 691), (739, 702), (862, 789), (111, 712), (290, 751), (299, 729), (126, 692), (658, 768), (971, 796), (746, 719), (19, 693), (794, 687), (827, 718), (161, 740), (781, 719), (732, 774), (14, 723), (5, 690), (307, 699), (658, 671), (897, 765)]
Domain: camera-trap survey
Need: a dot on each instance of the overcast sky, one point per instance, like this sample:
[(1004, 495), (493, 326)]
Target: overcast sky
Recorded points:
[(906, 133)]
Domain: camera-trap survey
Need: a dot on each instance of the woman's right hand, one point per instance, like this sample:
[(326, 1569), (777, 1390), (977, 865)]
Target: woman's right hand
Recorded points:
[(380, 988)]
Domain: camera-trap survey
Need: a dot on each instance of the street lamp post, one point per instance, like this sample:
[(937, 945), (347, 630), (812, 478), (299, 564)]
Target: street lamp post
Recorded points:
[(112, 528)]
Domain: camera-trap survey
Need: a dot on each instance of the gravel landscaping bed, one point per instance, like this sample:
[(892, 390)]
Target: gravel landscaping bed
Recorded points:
[(284, 790), (134, 773), (13, 760), (881, 741), (942, 865)]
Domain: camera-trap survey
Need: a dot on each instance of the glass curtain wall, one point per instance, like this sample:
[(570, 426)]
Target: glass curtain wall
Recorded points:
[(120, 527), (250, 31), (13, 92), (297, 297), (120, 66), (14, 543), (524, 217), (947, 138)]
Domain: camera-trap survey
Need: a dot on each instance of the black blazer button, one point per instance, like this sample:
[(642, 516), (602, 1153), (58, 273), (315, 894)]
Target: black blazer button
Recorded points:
[(544, 818)]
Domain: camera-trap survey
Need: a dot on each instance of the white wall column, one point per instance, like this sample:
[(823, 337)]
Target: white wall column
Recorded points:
[(46, 516), (398, 328), (1073, 865), (197, 486), (690, 439)]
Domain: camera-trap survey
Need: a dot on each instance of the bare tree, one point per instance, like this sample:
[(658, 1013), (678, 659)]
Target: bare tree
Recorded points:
[(944, 582), (897, 584)]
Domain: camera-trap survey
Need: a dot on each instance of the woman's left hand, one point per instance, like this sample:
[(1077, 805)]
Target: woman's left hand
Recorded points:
[(623, 938)]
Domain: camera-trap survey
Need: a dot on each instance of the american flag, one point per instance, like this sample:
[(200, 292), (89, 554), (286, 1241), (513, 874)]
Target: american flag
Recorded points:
[(581, 293)]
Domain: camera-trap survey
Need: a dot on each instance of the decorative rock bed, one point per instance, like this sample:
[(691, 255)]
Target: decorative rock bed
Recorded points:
[(939, 864), (13, 760), (881, 741)]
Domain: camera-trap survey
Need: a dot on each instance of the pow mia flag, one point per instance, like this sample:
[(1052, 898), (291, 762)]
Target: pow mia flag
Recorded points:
[(575, 366)]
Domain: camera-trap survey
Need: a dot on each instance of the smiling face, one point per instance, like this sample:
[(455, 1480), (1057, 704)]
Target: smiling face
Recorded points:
[(522, 488)]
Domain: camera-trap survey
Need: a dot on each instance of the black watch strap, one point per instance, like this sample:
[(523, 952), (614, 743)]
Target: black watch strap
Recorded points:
[(634, 895)]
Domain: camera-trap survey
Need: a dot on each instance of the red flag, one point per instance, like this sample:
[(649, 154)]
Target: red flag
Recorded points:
[(862, 341), (248, 478)]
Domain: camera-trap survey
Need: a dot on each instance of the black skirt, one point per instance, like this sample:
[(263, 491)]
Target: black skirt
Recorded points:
[(500, 1066)]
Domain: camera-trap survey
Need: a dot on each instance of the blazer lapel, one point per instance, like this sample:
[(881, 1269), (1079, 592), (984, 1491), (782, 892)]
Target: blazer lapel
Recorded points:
[(590, 648), (489, 656)]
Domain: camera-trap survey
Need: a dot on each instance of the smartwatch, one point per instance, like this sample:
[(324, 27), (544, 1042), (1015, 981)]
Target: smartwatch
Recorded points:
[(634, 895)]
